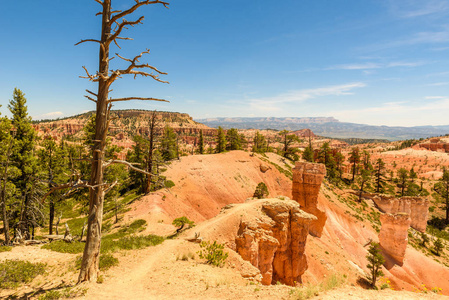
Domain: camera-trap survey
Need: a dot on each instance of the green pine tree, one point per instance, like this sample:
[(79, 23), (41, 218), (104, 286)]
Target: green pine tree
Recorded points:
[(221, 140), (375, 262), (168, 144), (234, 139), (24, 160), (201, 143)]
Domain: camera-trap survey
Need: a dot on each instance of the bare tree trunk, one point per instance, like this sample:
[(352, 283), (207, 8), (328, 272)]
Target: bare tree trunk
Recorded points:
[(152, 133), (105, 77), (52, 216), (91, 255)]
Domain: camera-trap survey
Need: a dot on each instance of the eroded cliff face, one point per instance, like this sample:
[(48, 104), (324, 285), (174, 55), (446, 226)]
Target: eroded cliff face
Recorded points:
[(275, 243), (416, 207), (393, 236), (307, 179)]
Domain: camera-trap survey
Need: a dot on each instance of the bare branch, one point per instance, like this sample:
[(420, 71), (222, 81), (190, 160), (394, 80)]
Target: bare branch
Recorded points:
[(99, 1), (136, 6), (136, 98), (133, 65), (88, 40), (110, 187), (121, 26), (90, 98), (92, 93), (123, 162)]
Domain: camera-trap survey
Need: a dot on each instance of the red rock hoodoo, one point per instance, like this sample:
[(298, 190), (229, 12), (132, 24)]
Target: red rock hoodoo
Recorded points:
[(307, 179), (393, 235), (275, 241), (416, 207)]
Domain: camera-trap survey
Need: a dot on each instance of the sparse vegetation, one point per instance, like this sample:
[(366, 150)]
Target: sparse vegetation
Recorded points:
[(261, 191), (312, 290), (213, 253), (16, 272)]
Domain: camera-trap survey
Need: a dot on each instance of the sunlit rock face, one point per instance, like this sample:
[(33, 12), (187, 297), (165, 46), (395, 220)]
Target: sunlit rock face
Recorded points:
[(275, 242), (416, 207), (393, 235), (307, 179)]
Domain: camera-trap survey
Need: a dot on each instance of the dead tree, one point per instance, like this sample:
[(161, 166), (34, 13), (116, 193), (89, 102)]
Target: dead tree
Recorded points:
[(152, 126), (113, 23)]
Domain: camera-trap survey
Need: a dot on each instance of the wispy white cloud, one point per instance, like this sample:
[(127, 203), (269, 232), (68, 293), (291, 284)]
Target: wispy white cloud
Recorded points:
[(418, 8), (438, 84), (398, 113), (371, 65), (434, 97), (299, 96), (53, 114)]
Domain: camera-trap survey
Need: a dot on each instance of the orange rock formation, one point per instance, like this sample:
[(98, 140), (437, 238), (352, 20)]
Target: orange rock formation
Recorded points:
[(307, 178), (416, 207), (275, 243), (393, 235)]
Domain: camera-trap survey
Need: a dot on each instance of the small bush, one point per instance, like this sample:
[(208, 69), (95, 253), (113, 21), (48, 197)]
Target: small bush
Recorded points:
[(15, 272), (64, 247), (5, 248), (213, 253), (107, 261), (261, 191), (129, 243), (168, 184)]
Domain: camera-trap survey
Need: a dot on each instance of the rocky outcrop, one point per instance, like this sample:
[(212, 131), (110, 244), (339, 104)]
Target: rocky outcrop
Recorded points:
[(416, 207), (275, 242), (307, 179), (393, 235)]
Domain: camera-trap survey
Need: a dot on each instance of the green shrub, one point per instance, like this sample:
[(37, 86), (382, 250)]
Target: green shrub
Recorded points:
[(5, 248), (261, 191), (168, 184), (107, 261), (438, 246), (64, 247), (213, 253), (130, 242), (15, 272)]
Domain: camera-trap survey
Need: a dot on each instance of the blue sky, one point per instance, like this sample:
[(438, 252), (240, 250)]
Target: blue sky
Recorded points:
[(380, 62)]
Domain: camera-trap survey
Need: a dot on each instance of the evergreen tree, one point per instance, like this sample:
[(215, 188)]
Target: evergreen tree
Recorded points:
[(339, 163), (24, 160), (308, 154), (7, 188), (288, 140), (354, 159), (221, 140), (438, 246), (375, 261), (168, 144), (201, 143), (442, 188), (413, 175), (402, 177), (259, 143), (379, 169), (234, 139), (52, 160), (365, 176)]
